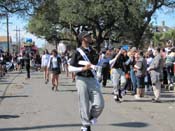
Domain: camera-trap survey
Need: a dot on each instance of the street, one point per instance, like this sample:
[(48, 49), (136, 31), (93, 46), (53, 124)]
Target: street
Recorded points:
[(32, 105)]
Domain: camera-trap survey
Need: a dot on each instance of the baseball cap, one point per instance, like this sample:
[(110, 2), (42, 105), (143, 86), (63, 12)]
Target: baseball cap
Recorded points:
[(83, 34)]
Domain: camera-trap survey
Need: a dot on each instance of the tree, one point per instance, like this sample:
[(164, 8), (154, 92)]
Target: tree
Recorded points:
[(106, 19), (45, 23), (138, 16), (19, 6), (162, 37), (100, 17)]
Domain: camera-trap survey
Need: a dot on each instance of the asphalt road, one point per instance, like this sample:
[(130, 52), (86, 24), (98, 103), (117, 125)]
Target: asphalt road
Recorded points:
[(31, 105)]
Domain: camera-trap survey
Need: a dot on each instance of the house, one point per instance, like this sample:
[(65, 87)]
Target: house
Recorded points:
[(3, 43)]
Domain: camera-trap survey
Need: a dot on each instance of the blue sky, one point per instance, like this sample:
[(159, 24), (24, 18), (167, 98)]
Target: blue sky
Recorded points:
[(161, 15), (18, 23), (164, 14)]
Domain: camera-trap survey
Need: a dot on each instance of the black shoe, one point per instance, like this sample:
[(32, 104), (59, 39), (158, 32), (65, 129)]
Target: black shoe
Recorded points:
[(104, 85), (85, 128), (53, 87), (116, 98), (155, 101)]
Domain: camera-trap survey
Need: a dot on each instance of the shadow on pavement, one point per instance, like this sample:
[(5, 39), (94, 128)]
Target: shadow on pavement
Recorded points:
[(150, 101), (3, 83), (8, 116), (67, 90), (3, 97), (131, 124), (137, 100), (3, 80), (67, 85), (39, 127), (104, 93), (167, 96)]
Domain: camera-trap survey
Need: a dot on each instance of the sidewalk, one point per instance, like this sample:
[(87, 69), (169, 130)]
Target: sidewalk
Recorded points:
[(8, 80)]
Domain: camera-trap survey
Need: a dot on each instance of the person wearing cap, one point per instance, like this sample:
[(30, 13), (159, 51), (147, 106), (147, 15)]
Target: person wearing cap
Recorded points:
[(155, 69), (91, 101)]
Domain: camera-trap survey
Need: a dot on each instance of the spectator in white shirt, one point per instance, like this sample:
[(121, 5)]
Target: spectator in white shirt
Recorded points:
[(44, 63), (55, 67)]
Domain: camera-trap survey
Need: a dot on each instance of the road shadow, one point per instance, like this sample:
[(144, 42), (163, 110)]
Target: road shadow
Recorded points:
[(67, 84), (6, 83), (8, 116), (40, 127), (131, 124), (3, 97), (133, 100), (167, 101), (105, 93), (150, 101), (38, 77), (167, 96), (3, 80), (67, 90)]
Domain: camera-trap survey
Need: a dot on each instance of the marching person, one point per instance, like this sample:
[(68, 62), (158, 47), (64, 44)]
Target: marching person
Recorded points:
[(118, 74), (44, 63), (155, 69), (90, 97), (54, 65)]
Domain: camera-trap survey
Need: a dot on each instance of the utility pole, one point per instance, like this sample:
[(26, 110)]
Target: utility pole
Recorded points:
[(19, 31), (18, 41), (8, 43), (7, 25)]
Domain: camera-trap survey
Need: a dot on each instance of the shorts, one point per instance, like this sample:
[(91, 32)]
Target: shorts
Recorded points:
[(56, 71), (140, 81)]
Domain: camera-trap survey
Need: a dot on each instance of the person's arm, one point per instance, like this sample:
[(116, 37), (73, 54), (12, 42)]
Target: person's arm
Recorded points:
[(48, 66), (112, 62), (75, 69), (79, 69)]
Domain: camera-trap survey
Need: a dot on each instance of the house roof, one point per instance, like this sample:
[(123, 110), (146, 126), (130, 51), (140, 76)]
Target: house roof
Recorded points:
[(4, 39)]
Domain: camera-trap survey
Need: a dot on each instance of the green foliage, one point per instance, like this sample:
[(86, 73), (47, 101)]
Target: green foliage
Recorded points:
[(161, 37), (16, 6), (107, 19)]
